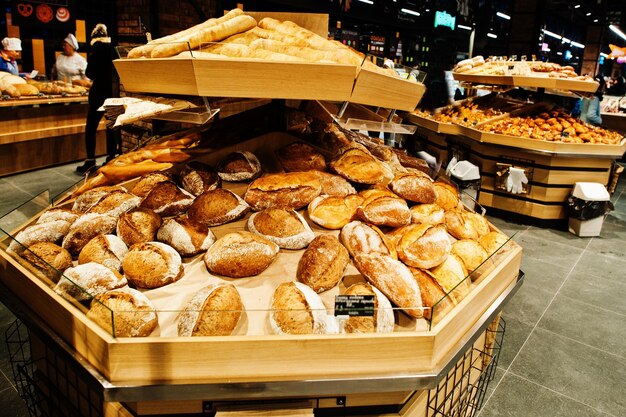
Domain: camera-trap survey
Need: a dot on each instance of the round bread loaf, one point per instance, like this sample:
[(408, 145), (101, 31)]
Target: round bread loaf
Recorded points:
[(381, 322), (48, 258), (451, 275), (297, 309), (115, 203), (146, 183), (166, 199), (322, 264), (359, 166), (470, 253), (213, 311), (480, 223), (86, 228), (84, 201), (385, 211), (107, 250), (138, 225), (186, 236), (285, 227), (359, 237), (291, 190), (299, 156), (53, 232), (240, 254), (447, 195), (334, 212), (197, 178), (134, 315), (459, 225), (493, 242), (392, 278), (414, 186), (83, 282), (422, 245), (334, 184), (427, 214), (436, 304), (377, 190), (55, 214), (152, 265), (216, 207), (239, 167)]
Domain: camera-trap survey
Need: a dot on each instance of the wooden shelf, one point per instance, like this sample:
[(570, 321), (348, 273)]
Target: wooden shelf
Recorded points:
[(539, 80)]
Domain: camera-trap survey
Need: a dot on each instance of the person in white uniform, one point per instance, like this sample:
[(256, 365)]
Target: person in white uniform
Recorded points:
[(70, 65)]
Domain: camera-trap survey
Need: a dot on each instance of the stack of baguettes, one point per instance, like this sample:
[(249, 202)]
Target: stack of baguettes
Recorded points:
[(236, 35)]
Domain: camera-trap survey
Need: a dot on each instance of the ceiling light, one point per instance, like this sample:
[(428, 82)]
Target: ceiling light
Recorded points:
[(427, 10), (578, 45), (554, 35), (588, 14), (577, 6), (559, 53), (409, 11), (565, 40), (367, 1), (464, 27), (616, 30), (595, 20), (604, 55), (504, 16), (491, 35)]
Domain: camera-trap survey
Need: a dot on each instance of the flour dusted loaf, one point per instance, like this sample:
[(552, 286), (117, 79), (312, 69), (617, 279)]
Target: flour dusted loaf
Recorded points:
[(84, 201), (166, 199), (83, 282), (414, 186), (447, 195), (493, 241), (359, 166), (285, 227), (107, 250), (86, 228), (53, 231), (436, 304), (427, 214), (216, 207), (334, 184), (385, 210), (299, 156), (58, 213), (323, 263), (381, 322), (460, 224), (291, 190), (213, 311), (480, 223), (471, 254), (421, 245), (240, 254), (197, 178), (115, 203), (241, 166), (152, 265), (451, 276), (186, 236), (297, 309), (359, 237), (132, 312), (138, 225), (334, 212), (146, 183), (48, 258)]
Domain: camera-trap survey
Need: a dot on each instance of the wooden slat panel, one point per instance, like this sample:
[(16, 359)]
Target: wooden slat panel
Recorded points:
[(159, 76), (386, 91), (39, 57), (526, 208)]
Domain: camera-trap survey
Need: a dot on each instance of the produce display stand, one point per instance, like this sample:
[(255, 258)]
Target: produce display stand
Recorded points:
[(538, 80)]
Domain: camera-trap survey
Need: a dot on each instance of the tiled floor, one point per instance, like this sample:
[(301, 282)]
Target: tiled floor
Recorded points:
[(564, 351)]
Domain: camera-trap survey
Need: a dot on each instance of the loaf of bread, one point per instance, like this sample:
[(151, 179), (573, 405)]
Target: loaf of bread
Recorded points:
[(86, 228), (240, 254), (447, 195), (107, 250), (146, 183), (53, 231), (480, 223), (436, 304), (385, 211), (451, 275), (322, 264), (358, 166), (414, 186), (422, 245), (241, 166), (392, 278), (115, 203), (138, 225), (359, 237), (197, 178), (427, 214), (381, 322), (133, 313), (471, 254), (216, 207), (292, 190), (87, 199), (334, 184), (166, 199), (297, 309), (152, 265), (48, 258), (186, 236), (377, 190), (213, 311), (26, 89), (83, 282), (334, 212), (459, 225), (55, 214), (493, 242), (285, 227), (299, 156)]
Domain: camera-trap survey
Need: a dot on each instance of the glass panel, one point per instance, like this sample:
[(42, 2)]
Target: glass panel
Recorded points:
[(160, 50), (389, 67)]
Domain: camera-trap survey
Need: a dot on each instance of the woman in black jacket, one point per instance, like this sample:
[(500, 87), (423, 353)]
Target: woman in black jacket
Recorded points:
[(100, 71)]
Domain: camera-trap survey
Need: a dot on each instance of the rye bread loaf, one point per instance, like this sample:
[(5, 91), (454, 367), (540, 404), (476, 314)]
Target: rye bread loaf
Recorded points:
[(299, 156), (107, 250), (381, 322), (146, 183), (133, 313), (186, 236), (285, 227), (213, 311), (138, 225), (86, 228), (197, 178), (115, 203), (216, 207), (323, 263), (152, 265), (240, 254), (297, 309), (241, 166), (83, 282), (291, 190), (167, 200), (84, 201), (48, 258)]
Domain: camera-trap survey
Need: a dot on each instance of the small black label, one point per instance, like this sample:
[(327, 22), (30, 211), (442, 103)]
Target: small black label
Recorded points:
[(354, 305)]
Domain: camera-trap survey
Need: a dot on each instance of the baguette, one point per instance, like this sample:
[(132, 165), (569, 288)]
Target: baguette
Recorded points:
[(97, 181), (278, 36), (121, 173), (244, 38), (291, 29)]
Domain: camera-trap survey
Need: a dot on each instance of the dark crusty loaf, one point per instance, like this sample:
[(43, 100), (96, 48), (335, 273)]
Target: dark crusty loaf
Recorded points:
[(146, 183), (292, 190), (138, 225), (239, 167), (107, 250), (115, 203), (297, 309), (133, 313), (49, 258), (85, 281), (197, 178), (213, 311), (166, 199), (86, 228), (84, 201), (152, 265), (186, 236), (240, 254), (216, 207), (381, 322), (285, 227), (299, 156), (322, 264)]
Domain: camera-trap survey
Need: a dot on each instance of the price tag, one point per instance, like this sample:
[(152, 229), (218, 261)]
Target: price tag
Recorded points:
[(354, 305)]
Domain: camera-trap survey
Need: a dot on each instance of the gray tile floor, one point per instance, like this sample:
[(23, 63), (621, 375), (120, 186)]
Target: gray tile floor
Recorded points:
[(564, 352)]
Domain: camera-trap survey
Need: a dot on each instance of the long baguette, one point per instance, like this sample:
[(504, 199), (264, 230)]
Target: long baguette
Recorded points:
[(313, 40), (117, 174), (309, 54), (244, 51), (278, 36), (245, 38)]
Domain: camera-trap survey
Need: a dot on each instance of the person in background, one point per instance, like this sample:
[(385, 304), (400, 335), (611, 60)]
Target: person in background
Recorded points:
[(100, 71), (436, 94), (11, 48), (590, 107), (69, 65)]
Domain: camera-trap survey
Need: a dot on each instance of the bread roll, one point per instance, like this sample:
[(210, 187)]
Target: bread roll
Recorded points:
[(451, 276), (107, 250), (216, 207), (322, 264), (86, 281), (241, 166), (213, 311), (334, 212), (393, 279), (138, 225), (186, 236), (358, 166), (436, 304), (133, 313), (459, 225), (84, 201), (86, 228), (297, 309), (447, 195), (423, 246), (115, 203), (48, 258), (493, 242), (385, 211), (53, 232), (197, 178), (334, 184), (427, 214), (299, 156), (166, 199), (152, 265), (381, 322), (291, 190), (285, 227), (359, 237), (414, 186), (240, 254), (470, 253), (146, 183), (55, 214)]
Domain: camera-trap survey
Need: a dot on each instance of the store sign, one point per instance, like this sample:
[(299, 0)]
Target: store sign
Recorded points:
[(354, 305), (445, 19), (51, 13)]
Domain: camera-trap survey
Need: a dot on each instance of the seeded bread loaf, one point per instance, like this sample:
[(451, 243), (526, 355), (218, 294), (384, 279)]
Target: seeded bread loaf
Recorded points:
[(213, 311)]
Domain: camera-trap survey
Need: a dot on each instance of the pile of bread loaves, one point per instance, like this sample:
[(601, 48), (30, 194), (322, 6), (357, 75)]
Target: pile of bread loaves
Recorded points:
[(237, 35), (408, 236)]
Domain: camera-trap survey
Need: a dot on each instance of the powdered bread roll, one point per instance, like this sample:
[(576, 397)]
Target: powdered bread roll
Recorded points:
[(334, 212), (152, 265), (48, 258), (216, 207), (414, 186), (436, 304), (359, 237), (297, 309), (55, 214), (459, 225), (197, 178), (240, 254), (88, 280), (492, 242), (133, 313), (239, 167), (427, 214), (393, 279), (53, 232), (86, 228), (166, 199), (186, 236), (381, 322), (115, 203), (213, 311), (291, 190), (470, 253), (285, 227), (147, 182), (447, 195), (299, 156), (358, 166), (107, 250), (138, 225), (334, 184), (84, 201), (322, 265), (385, 211), (423, 246), (451, 276)]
